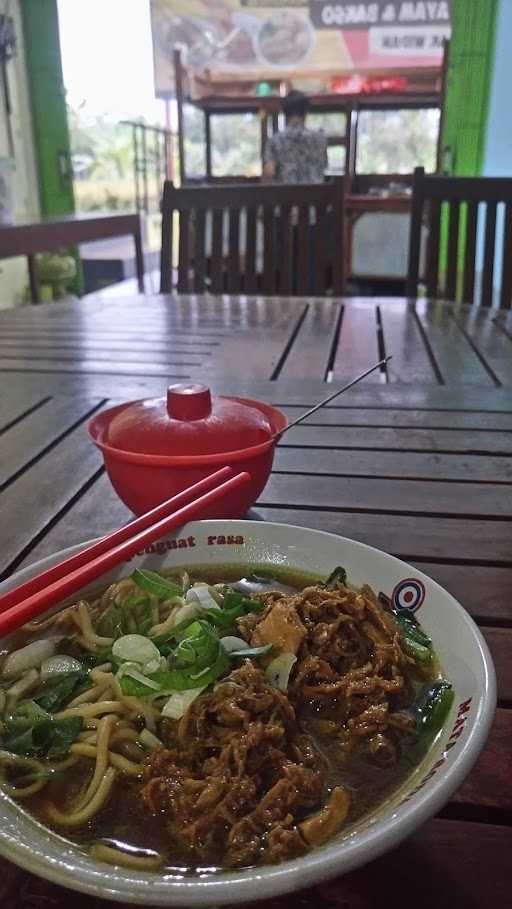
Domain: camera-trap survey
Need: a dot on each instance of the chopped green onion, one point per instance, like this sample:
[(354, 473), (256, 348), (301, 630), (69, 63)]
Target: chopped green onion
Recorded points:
[(135, 648), (251, 651), (278, 671), (203, 597), (179, 702), (233, 644), (154, 583)]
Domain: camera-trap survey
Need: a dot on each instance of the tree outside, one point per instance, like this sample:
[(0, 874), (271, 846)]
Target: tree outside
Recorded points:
[(396, 141)]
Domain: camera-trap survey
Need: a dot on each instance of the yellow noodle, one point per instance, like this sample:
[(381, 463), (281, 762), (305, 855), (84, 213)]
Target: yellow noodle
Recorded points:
[(89, 736), (165, 626), (89, 723), (101, 678), (77, 818), (87, 629), (104, 853), (23, 792), (62, 765), (87, 710), (102, 762), (129, 768), (92, 694), (87, 645), (7, 757)]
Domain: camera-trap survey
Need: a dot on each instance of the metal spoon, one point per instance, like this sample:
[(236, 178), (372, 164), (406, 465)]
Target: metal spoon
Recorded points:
[(277, 436)]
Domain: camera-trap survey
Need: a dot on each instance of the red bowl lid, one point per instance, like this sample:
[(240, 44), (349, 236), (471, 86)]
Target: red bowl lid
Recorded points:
[(189, 421)]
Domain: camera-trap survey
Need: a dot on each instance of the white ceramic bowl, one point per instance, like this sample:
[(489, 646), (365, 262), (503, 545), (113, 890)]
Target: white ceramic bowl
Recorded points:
[(463, 655)]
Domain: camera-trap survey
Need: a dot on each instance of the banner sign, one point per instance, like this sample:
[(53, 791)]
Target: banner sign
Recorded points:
[(340, 14), (311, 42)]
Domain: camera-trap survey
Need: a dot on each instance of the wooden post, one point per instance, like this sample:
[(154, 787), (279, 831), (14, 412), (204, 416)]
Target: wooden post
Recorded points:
[(178, 79), (208, 142)]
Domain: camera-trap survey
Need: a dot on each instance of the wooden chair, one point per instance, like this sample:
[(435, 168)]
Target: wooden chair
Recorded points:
[(269, 239), (456, 208)]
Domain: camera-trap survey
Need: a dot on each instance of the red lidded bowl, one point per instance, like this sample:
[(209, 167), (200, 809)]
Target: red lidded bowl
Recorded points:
[(155, 448)]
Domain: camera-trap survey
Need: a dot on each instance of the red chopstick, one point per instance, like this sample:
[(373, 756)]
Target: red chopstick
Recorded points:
[(39, 581), (59, 582)]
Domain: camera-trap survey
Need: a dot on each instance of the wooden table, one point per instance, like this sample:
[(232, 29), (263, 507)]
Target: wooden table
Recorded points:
[(419, 465), (27, 239)]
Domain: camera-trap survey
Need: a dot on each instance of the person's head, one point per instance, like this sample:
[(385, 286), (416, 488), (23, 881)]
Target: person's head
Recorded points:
[(295, 106)]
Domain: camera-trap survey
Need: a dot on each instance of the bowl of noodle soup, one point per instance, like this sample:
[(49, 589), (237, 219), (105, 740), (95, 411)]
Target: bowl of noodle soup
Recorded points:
[(241, 710)]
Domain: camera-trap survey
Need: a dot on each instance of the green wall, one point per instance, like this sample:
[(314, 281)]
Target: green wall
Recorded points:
[(50, 126), (468, 84)]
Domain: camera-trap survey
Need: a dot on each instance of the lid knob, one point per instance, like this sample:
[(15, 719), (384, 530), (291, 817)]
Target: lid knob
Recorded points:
[(189, 402)]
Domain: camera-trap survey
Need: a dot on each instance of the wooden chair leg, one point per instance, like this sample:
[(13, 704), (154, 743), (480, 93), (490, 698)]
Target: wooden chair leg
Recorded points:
[(32, 277)]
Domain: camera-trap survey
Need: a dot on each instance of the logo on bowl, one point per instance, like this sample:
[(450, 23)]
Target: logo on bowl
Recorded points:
[(408, 595)]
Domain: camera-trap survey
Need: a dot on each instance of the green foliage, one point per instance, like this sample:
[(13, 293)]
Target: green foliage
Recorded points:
[(396, 141)]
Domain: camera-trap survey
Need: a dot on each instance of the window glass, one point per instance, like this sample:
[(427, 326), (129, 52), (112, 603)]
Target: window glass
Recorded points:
[(334, 123), (336, 159), (396, 141), (236, 145), (194, 141)]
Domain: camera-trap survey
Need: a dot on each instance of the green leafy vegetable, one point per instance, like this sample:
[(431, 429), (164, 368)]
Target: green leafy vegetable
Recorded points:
[(432, 708), (196, 660), (135, 615), (154, 583), (338, 576), (430, 711), (56, 691), (64, 732), (33, 732), (415, 641)]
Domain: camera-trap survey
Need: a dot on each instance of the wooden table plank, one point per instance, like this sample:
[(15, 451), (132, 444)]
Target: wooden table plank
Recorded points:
[(488, 784), (41, 429), (338, 415), (412, 538), (309, 355), (170, 370), (403, 339), (436, 440), (456, 359), (260, 352), (494, 346), (303, 393), (483, 591), (43, 491), (96, 513), (400, 465), (500, 645), (374, 496), (15, 403), (101, 350), (357, 347)]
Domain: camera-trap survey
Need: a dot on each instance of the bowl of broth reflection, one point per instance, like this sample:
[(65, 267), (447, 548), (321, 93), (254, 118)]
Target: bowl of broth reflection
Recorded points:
[(317, 725)]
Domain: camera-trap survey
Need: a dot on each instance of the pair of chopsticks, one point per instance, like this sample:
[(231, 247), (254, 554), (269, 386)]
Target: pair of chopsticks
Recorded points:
[(30, 599)]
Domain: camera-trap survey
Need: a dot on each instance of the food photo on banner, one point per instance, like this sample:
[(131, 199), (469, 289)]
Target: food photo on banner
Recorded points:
[(316, 39)]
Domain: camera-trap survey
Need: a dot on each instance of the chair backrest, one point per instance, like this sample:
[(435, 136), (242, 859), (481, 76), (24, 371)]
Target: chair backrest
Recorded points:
[(269, 239), (458, 210)]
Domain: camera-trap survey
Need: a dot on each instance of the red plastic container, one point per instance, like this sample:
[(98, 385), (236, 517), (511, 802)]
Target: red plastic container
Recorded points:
[(155, 448)]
